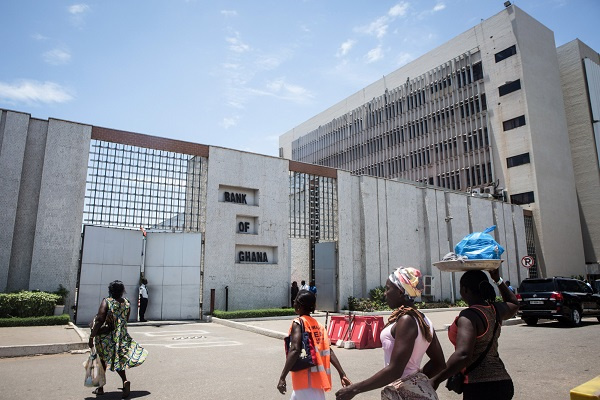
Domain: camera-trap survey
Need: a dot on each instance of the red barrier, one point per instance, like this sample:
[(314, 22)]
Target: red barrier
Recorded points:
[(337, 328), (366, 330)]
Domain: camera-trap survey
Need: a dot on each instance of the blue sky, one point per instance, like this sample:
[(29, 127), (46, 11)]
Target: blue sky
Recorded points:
[(235, 74)]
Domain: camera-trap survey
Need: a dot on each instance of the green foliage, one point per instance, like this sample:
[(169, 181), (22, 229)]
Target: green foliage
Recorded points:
[(62, 292), (461, 303), (36, 321), (268, 312), (27, 304), (366, 305), (434, 304)]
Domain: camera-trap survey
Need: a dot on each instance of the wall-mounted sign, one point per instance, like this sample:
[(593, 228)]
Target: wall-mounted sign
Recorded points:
[(245, 224), (238, 195), (255, 254)]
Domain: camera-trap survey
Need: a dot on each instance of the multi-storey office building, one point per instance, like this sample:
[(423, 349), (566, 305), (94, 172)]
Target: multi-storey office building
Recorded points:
[(580, 77), (482, 113)]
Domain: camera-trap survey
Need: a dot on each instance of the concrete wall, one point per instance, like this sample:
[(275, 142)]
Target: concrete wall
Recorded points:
[(583, 144), (55, 257), (251, 285)]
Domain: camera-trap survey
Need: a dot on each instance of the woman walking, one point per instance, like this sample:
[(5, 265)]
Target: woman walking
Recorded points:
[(406, 338), (116, 349), (475, 334), (310, 383)]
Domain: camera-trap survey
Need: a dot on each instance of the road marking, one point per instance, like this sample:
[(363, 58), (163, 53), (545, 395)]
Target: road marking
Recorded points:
[(174, 333)]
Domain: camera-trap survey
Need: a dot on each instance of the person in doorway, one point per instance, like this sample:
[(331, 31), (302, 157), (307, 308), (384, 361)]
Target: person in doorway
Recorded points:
[(406, 338), (294, 293), (475, 334), (512, 289), (116, 349), (143, 299), (313, 289), (304, 286), (310, 383)]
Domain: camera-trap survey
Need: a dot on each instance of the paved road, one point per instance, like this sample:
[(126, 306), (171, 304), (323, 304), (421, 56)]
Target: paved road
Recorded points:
[(210, 361)]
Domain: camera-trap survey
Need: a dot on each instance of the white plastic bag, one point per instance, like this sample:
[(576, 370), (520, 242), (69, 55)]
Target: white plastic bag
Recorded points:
[(94, 372)]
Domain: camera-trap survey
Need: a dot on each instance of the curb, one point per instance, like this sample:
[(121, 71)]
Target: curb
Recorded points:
[(56, 348), (249, 328)]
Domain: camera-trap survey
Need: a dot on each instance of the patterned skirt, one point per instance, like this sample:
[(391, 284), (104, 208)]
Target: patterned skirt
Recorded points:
[(412, 387), (120, 351)]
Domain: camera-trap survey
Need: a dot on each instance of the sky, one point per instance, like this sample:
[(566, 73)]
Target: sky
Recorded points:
[(235, 74)]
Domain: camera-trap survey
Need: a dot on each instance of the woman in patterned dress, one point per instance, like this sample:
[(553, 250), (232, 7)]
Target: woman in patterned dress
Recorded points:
[(116, 349)]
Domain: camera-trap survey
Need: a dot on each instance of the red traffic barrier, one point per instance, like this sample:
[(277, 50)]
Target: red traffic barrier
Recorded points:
[(366, 331), (338, 326)]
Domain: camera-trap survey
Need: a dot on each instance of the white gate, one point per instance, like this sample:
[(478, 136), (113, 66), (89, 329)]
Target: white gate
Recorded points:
[(172, 267)]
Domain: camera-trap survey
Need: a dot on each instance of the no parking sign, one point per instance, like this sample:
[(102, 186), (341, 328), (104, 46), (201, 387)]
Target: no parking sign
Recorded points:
[(527, 261)]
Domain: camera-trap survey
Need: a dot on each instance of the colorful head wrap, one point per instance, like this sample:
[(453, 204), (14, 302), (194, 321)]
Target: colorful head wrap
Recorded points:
[(408, 279)]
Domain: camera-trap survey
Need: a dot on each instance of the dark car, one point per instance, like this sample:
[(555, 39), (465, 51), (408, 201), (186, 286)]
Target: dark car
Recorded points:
[(563, 299)]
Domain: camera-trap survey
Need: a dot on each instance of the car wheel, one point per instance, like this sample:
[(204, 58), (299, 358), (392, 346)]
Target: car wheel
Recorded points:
[(575, 317), (531, 321)]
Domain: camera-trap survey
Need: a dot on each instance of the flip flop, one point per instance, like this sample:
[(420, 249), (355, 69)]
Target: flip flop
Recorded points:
[(126, 389), (97, 391)]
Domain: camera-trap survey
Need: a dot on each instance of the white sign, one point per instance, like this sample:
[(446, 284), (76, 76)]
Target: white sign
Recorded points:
[(527, 261)]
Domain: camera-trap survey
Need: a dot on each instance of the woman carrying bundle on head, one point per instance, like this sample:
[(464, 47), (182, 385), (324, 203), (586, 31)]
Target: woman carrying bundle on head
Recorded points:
[(475, 368), (310, 383), (406, 338)]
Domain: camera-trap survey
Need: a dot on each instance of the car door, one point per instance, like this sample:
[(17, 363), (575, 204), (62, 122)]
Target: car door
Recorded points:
[(590, 301)]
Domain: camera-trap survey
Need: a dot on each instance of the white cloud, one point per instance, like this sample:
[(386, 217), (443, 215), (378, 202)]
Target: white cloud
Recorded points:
[(236, 44), (30, 91), (280, 89), (375, 54), (57, 57), (399, 10), (403, 58), (439, 7), (229, 13), (38, 36), (229, 122), (268, 62), (78, 9), (345, 47)]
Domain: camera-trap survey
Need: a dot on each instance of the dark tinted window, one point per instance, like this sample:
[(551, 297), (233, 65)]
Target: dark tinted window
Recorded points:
[(517, 160), (568, 286), (511, 51), (538, 285), (477, 72), (513, 123), (509, 87), (584, 288), (522, 198)]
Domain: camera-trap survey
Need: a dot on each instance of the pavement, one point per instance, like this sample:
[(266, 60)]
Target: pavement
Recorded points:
[(34, 340)]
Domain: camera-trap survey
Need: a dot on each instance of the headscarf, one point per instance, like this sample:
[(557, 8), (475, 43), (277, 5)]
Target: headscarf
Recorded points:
[(409, 279)]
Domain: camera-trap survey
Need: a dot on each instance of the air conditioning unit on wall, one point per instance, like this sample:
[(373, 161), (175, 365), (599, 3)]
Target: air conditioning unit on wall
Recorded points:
[(475, 191), (489, 189)]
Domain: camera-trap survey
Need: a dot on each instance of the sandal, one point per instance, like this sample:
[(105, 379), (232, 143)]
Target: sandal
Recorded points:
[(99, 391), (126, 389)]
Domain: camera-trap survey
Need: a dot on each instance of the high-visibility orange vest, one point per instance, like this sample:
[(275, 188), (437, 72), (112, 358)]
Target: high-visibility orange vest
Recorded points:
[(319, 376)]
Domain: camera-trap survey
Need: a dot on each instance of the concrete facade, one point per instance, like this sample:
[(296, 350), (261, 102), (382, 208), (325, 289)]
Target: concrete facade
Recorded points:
[(361, 135), (245, 243), (579, 72)]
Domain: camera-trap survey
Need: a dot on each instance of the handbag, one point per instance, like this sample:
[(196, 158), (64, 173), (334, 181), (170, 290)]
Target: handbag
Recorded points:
[(456, 382), (307, 357), (107, 327)]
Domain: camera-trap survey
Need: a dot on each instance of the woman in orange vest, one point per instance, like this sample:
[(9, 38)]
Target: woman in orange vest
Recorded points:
[(313, 382), (406, 338)]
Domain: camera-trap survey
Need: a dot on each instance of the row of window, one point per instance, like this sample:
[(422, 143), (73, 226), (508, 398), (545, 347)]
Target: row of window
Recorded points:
[(517, 160)]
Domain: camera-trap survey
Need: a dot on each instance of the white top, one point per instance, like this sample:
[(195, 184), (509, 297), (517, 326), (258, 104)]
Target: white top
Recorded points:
[(304, 287), (143, 291), (421, 346)]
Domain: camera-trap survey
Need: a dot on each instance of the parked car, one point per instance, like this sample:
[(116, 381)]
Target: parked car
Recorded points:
[(563, 299)]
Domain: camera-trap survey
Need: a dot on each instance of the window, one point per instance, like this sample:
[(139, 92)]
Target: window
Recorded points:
[(477, 72), (504, 54), (509, 87), (522, 198), (517, 160), (513, 123)]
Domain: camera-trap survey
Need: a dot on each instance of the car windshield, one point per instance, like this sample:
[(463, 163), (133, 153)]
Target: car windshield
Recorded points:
[(541, 285)]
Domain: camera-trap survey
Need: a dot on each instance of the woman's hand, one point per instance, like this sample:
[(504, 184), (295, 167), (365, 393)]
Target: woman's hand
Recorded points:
[(345, 393), (91, 342), (434, 383), (345, 381), (281, 386), (495, 274)]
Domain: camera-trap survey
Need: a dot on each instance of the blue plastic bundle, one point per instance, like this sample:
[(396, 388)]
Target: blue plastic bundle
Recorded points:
[(479, 246)]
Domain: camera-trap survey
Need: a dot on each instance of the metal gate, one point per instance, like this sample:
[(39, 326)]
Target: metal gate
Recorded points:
[(326, 275), (171, 265)]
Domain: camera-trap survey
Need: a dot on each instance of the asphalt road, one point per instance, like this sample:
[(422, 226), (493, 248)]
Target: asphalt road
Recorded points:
[(210, 361)]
